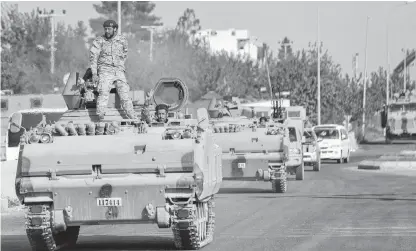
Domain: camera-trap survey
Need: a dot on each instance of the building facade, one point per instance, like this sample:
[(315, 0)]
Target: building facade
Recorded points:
[(234, 42)]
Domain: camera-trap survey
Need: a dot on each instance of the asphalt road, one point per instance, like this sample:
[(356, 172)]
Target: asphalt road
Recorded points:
[(334, 209)]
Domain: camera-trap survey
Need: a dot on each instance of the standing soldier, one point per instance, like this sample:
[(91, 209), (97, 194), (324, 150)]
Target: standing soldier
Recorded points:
[(108, 54)]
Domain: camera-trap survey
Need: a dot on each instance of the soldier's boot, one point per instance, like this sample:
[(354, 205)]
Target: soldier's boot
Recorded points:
[(132, 115), (101, 116)]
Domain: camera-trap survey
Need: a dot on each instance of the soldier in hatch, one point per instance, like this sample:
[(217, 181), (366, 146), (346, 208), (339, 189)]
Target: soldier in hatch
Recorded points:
[(108, 54), (162, 113)]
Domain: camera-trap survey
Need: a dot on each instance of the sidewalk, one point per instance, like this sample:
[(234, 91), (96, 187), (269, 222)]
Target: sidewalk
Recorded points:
[(8, 175)]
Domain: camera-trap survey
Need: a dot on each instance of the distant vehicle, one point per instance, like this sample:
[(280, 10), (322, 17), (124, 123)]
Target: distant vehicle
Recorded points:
[(334, 142), (398, 118), (311, 149)]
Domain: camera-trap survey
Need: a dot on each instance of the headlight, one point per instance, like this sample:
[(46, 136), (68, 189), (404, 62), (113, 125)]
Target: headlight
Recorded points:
[(199, 180), (45, 138), (294, 151), (34, 138), (187, 134), (272, 132), (176, 135)]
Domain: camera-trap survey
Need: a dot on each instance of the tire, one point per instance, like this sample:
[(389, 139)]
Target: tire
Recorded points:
[(340, 160), (347, 159), (317, 165), (279, 185), (300, 172)]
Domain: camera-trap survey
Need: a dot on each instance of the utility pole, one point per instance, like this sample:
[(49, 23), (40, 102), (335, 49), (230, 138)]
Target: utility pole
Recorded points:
[(151, 29), (319, 74), (365, 77), (119, 16), (52, 15)]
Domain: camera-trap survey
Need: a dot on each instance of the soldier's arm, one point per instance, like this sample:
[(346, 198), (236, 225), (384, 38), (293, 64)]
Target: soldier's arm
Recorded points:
[(94, 54)]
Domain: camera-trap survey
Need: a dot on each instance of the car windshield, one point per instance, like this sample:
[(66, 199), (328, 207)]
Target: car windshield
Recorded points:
[(327, 133), (292, 134), (395, 108), (410, 107)]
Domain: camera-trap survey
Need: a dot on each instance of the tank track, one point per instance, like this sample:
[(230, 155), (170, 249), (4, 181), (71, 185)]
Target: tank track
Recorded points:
[(40, 234), (188, 237)]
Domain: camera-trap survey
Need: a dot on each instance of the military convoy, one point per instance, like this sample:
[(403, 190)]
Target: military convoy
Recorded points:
[(398, 118), (259, 151), (165, 173), (84, 172)]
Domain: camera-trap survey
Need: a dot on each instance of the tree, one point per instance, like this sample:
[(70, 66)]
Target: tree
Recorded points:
[(134, 14), (26, 52), (188, 23), (285, 50)]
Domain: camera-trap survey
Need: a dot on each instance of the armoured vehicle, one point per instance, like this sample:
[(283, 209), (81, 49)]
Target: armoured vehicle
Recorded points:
[(250, 150), (399, 118), (85, 172)]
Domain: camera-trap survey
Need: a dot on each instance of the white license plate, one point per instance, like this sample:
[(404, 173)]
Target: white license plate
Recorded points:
[(241, 165), (109, 202)]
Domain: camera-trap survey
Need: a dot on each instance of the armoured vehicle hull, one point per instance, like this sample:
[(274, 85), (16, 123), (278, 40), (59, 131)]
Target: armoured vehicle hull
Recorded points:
[(248, 152), (399, 119), (253, 152), (254, 155), (123, 174)]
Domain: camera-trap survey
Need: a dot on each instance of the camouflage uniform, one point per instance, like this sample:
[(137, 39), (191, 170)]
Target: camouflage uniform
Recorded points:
[(107, 57)]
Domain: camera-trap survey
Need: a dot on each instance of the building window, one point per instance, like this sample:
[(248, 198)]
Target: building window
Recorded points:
[(36, 102), (4, 104), (233, 33), (241, 43)]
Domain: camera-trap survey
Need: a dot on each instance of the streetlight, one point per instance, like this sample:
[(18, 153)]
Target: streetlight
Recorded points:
[(365, 77), (151, 28), (51, 15)]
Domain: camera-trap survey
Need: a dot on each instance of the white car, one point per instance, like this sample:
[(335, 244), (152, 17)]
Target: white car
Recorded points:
[(333, 142)]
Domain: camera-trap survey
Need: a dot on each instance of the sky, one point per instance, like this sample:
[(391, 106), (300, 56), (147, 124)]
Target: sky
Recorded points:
[(342, 24)]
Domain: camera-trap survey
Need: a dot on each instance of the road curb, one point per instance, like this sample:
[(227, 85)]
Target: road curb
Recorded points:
[(4, 204), (399, 165), (369, 165), (408, 153), (387, 165)]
